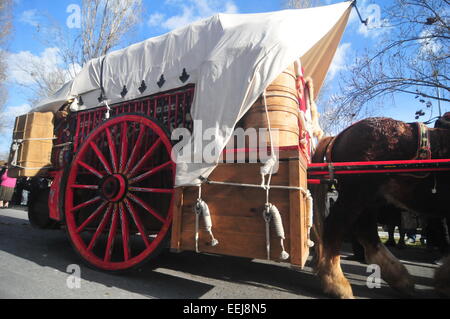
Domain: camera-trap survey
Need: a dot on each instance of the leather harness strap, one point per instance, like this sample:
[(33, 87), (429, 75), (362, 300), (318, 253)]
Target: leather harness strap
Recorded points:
[(330, 150), (424, 149)]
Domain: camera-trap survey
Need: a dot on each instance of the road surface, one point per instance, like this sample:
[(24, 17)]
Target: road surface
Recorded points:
[(33, 264)]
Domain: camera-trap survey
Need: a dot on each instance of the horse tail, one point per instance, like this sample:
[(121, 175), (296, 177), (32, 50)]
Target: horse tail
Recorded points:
[(319, 193)]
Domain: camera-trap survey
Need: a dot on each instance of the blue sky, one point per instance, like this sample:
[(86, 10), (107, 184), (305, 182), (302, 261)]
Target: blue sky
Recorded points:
[(159, 17)]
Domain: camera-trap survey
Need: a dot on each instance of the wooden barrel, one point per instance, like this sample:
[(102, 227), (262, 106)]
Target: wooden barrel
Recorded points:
[(283, 109)]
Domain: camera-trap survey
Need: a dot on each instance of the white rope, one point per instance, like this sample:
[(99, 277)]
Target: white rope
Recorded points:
[(20, 141), (201, 208), (267, 218), (31, 168), (15, 150), (268, 168), (108, 110), (63, 145), (292, 188), (197, 212), (271, 212), (309, 208)]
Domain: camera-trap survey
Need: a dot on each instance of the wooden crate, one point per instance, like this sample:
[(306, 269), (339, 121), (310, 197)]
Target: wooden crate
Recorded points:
[(237, 213), (34, 133)]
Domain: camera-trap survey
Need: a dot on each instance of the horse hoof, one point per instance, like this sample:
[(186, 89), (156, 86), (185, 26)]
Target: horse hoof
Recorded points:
[(340, 289), (443, 292), (442, 278), (406, 288), (390, 243)]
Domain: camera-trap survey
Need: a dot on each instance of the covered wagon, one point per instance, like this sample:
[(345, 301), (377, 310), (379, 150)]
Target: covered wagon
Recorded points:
[(138, 150)]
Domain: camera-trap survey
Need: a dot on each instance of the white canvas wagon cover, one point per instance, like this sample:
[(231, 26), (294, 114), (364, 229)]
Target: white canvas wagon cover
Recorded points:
[(231, 59)]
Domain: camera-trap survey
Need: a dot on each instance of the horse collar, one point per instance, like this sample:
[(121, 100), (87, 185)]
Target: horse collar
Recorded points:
[(424, 149)]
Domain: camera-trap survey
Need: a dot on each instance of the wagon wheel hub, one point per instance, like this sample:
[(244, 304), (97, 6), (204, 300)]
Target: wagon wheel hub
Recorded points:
[(113, 188)]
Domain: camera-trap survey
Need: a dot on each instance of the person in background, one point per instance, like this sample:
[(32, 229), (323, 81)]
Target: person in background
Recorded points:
[(7, 185)]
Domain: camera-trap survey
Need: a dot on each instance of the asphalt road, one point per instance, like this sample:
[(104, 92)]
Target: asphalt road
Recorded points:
[(33, 264)]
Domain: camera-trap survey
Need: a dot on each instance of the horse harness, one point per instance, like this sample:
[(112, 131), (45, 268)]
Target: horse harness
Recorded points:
[(423, 149)]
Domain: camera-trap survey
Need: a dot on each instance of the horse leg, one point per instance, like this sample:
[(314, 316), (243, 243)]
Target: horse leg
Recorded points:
[(442, 278), (391, 232), (392, 271), (337, 224), (401, 243)]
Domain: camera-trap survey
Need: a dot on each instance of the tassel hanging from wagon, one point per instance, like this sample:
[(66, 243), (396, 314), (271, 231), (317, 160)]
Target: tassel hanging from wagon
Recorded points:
[(202, 209), (270, 213)]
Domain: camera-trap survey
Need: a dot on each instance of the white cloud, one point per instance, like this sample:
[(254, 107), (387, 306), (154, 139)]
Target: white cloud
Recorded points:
[(155, 19), (7, 118), (15, 111), (30, 17), (9, 115), (182, 20), (339, 61), (429, 46), (190, 11), (230, 7), (23, 66)]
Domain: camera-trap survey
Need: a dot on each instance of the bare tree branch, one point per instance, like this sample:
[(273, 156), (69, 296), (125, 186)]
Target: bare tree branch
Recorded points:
[(5, 30), (104, 26), (412, 58)]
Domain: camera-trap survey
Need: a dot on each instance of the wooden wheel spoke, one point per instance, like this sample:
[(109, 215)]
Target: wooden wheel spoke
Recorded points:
[(101, 157), (85, 204), (146, 157), (135, 152), (151, 172), (146, 207), (112, 150), (124, 147), (138, 222), (100, 228), (112, 234), (125, 232), (94, 215), (152, 190), (91, 169)]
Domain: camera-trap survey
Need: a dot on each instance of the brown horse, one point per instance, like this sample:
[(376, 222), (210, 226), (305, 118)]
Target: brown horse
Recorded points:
[(377, 139)]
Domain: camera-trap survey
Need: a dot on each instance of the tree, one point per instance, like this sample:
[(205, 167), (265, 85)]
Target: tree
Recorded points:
[(102, 25), (5, 29), (411, 57)]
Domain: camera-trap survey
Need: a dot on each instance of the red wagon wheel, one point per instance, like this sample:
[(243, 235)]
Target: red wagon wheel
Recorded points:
[(119, 193)]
